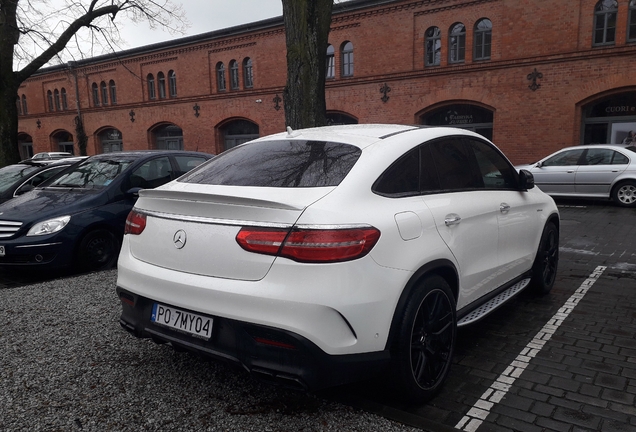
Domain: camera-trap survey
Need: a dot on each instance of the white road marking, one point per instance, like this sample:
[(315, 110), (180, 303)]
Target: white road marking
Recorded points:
[(496, 392)]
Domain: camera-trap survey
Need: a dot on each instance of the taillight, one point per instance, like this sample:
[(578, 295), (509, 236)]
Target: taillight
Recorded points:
[(135, 223), (310, 245)]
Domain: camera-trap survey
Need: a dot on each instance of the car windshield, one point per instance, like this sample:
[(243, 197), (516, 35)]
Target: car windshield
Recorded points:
[(279, 164), (92, 174), (12, 173), (631, 148)]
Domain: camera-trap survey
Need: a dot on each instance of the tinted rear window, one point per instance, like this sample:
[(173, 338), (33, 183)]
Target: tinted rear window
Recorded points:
[(279, 164)]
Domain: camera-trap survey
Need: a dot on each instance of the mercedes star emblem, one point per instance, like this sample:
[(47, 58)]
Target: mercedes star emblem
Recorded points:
[(179, 239)]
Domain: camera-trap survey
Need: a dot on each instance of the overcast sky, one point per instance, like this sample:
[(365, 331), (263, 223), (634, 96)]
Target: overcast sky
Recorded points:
[(206, 16)]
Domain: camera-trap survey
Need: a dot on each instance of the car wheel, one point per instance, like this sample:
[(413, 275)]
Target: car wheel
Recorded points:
[(98, 250), (624, 194), (426, 340), (545, 265)]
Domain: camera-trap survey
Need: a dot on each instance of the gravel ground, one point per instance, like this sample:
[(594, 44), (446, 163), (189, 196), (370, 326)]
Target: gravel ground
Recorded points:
[(66, 365)]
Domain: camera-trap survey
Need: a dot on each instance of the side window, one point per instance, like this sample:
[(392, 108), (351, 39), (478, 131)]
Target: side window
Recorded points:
[(186, 163), (152, 174), (402, 178), (619, 159), (496, 171), (38, 179), (598, 157), (566, 158), (456, 165)]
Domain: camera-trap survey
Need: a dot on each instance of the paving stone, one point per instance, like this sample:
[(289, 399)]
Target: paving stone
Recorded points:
[(614, 426), (564, 383), (611, 381), (588, 400), (553, 425), (618, 396), (577, 418)]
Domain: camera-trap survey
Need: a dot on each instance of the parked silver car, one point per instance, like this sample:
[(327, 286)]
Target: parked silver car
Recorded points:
[(590, 171)]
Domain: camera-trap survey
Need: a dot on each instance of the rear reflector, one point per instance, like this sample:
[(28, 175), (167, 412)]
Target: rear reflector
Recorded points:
[(135, 223), (310, 245)]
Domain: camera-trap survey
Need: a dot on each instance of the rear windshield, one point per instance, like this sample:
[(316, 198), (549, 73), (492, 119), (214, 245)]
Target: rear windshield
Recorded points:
[(279, 164)]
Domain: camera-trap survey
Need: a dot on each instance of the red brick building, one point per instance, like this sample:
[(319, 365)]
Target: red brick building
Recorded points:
[(533, 75)]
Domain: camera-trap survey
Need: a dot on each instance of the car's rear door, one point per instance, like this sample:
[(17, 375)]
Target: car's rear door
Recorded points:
[(599, 169)]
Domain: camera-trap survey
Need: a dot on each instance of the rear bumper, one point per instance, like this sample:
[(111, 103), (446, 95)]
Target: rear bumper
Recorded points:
[(268, 353)]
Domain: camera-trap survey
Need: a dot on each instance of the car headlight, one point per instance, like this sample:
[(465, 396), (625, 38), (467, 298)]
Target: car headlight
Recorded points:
[(49, 226)]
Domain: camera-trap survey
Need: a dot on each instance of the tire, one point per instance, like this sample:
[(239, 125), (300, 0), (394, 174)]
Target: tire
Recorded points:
[(546, 262), (425, 341), (624, 194), (98, 250)]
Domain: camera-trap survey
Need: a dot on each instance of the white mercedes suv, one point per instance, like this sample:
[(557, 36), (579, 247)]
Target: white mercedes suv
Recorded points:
[(321, 256)]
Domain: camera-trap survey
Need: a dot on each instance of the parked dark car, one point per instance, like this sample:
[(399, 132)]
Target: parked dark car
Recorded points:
[(78, 217), (22, 177)]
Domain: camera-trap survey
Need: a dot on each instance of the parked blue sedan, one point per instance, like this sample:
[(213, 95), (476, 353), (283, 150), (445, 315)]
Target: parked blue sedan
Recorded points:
[(78, 217)]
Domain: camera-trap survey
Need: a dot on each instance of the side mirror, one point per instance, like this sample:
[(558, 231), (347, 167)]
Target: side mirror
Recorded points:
[(24, 189), (539, 165), (526, 179), (133, 191)]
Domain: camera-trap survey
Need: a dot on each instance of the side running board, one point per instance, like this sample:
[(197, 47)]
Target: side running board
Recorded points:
[(493, 303)]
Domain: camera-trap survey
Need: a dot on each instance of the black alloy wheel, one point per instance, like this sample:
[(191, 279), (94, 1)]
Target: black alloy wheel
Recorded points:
[(546, 263), (98, 250), (426, 340)]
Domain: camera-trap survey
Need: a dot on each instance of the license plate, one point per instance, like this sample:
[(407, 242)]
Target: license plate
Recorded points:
[(188, 322), (1, 250)]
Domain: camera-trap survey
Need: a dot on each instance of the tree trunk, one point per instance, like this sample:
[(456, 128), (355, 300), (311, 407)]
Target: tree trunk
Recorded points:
[(9, 85), (307, 24), (9, 152)]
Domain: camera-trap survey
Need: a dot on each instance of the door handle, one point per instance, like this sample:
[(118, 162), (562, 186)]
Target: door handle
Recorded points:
[(503, 207), (452, 219)]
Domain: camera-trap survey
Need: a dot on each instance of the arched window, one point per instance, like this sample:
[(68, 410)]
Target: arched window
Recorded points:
[(104, 90), (331, 63), (433, 46), (95, 92), (150, 79), (113, 92), (161, 84), (457, 43), (49, 98), (25, 111), (248, 73), (347, 59), (56, 97), (483, 39), (605, 13), (631, 32), (172, 83), (18, 105), (234, 75), (64, 99), (220, 76)]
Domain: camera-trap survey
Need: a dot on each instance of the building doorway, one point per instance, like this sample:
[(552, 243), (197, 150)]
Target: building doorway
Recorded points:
[(238, 132), (610, 120), (111, 140), (168, 137), (464, 116)]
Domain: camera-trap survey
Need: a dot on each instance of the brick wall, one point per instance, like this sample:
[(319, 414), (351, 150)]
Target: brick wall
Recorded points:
[(555, 38)]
